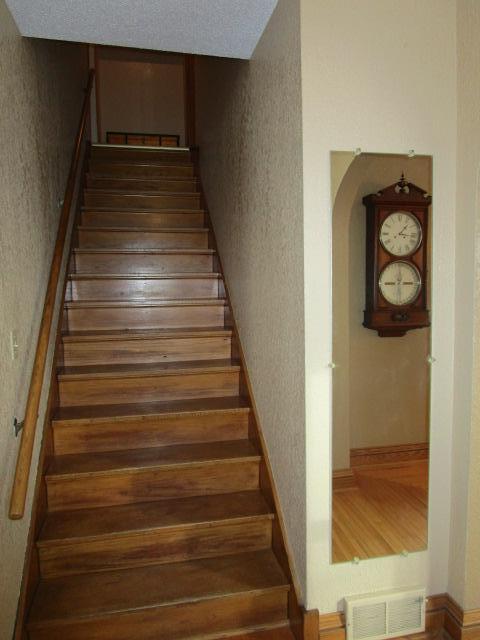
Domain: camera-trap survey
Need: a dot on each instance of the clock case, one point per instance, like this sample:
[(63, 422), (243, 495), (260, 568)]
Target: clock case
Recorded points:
[(387, 319)]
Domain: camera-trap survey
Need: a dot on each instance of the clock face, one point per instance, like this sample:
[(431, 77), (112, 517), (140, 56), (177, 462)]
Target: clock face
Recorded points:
[(400, 283), (401, 233)]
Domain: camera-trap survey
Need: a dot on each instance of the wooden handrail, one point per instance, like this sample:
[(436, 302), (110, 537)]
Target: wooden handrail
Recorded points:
[(24, 460)]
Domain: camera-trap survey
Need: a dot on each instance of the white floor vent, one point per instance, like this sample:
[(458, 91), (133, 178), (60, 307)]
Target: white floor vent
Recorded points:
[(385, 614)]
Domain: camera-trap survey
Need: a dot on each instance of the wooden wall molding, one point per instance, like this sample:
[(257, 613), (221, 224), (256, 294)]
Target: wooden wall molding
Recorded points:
[(370, 456), (390, 453), (332, 626), (460, 624), (343, 479), (443, 614), (189, 99)]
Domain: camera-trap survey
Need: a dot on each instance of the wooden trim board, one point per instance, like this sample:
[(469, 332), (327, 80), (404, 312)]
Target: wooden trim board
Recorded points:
[(189, 98), (460, 624), (96, 58), (343, 479), (371, 456), (389, 453)]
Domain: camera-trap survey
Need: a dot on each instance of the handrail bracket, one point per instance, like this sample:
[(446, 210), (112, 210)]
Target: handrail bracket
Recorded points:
[(17, 426)]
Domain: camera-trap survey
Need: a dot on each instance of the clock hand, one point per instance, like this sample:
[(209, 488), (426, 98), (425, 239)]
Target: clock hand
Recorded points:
[(399, 285)]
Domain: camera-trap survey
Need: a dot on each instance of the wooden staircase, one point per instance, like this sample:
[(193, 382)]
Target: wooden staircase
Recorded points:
[(161, 520)]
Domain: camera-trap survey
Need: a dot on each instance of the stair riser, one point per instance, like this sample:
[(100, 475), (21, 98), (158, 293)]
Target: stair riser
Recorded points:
[(146, 485), (141, 219), (138, 184), (96, 391), (132, 201), (140, 155), (112, 239), (145, 350), (144, 289), (178, 621), (149, 431), (114, 169), (173, 544), (89, 319), (143, 263)]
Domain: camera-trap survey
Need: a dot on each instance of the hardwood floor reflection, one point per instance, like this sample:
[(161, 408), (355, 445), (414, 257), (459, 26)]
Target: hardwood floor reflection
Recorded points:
[(384, 514)]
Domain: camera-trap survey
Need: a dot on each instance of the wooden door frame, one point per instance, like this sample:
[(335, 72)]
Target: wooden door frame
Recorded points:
[(189, 99), (96, 48)]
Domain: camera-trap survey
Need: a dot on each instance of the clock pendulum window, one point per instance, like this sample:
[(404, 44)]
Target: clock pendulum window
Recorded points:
[(397, 259)]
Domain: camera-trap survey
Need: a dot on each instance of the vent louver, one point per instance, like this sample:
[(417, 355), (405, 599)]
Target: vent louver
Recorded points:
[(385, 614)]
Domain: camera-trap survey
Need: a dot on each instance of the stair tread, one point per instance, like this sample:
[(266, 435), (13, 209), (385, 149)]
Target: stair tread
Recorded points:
[(90, 595), (144, 149), (146, 276), (140, 148), (74, 464), (97, 209), (150, 368), (148, 334), (142, 162), (147, 229), (273, 633), (138, 410), (95, 157), (91, 174), (67, 526), (129, 194), (183, 302), (129, 163), (147, 251)]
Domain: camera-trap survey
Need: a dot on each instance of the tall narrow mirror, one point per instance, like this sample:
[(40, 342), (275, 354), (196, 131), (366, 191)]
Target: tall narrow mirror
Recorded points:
[(381, 344)]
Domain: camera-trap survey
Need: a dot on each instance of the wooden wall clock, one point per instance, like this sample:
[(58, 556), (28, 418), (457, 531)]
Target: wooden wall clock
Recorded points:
[(397, 259)]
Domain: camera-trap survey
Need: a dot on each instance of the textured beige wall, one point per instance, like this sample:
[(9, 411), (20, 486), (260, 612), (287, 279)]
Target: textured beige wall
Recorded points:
[(249, 130), (40, 98), (380, 385), (141, 92), (464, 578)]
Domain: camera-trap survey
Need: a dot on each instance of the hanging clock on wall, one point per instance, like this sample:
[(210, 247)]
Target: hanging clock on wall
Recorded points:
[(397, 259)]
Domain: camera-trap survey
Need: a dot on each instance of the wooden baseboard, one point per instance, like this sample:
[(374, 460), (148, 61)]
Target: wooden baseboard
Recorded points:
[(460, 624), (343, 479), (443, 614), (310, 624), (394, 453), (370, 456), (331, 626)]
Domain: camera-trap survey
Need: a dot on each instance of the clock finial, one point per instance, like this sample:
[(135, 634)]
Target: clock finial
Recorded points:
[(402, 185)]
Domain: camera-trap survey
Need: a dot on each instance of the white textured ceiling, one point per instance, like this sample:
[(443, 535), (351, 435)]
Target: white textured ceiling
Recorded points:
[(228, 28)]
